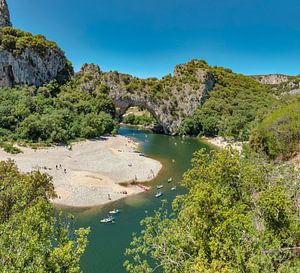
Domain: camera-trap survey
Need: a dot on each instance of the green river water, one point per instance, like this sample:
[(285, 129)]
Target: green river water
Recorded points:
[(107, 243)]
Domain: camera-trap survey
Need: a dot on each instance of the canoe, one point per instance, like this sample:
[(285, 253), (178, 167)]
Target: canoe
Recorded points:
[(115, 211), (107, 220), (143, 187), (159, 194)]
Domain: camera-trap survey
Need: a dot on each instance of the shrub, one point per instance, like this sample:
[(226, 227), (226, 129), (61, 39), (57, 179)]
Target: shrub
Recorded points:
[(278, 135)]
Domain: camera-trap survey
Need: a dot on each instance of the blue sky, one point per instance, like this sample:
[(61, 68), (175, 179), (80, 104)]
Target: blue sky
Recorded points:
[(149, 37)]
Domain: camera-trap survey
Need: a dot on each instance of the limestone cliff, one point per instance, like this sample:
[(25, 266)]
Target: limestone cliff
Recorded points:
[(30, 68), (281, 83), (30, 60), (169, 100), (272, 79), (26, 59), (4, 14)]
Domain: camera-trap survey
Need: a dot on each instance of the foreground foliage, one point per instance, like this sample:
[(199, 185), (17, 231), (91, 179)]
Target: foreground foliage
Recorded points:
[(241, 214), (33, 236), (278, 135)]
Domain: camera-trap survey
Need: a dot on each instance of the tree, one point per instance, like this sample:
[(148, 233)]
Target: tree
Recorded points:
[(278, 134), (241, 214), (34, 236)]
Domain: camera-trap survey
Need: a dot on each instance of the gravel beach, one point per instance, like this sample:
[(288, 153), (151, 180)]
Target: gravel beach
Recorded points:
[(93, 172), (222, 143)]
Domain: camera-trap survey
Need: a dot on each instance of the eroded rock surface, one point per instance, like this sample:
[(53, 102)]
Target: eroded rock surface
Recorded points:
[(4, 14), (31, 68), (169, 100), (26, 59), (272, 79)]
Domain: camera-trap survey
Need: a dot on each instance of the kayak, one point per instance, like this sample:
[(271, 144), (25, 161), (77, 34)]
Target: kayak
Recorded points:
[(107, 220), (115, 211), (159, 194)]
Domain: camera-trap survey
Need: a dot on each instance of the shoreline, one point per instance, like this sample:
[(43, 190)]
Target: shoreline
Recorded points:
[(221, 143), (91, 174)]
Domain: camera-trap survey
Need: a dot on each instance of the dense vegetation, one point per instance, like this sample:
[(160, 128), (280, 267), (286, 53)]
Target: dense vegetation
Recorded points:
[(33, 236), (231, 107), (54, 114), (241, 214), (16, 41), (278, 135), (143, 120)]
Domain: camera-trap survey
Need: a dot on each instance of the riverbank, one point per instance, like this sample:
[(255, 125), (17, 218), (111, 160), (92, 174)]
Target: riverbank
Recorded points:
[(221, 143), (93, 172)]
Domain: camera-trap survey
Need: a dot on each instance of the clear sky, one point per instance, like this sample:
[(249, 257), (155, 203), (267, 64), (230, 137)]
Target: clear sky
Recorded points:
[(149, 37)]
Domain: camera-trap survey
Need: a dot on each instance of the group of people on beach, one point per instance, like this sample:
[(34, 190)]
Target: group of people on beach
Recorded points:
[(123, 192), (59, 167)]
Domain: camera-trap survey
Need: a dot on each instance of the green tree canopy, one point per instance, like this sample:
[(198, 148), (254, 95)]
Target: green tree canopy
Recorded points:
[(241, 214), (54, 114), (231, 107), (278, 135), (34, 237)]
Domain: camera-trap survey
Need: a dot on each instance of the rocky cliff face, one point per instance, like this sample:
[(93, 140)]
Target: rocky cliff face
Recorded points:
[(281, 84), (272, 79), (30, 68), (169, 100), (4, 14), (26, 59)]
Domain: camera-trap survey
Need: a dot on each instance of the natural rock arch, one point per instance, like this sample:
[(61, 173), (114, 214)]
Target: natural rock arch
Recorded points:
[(169, 100), (123, 105)]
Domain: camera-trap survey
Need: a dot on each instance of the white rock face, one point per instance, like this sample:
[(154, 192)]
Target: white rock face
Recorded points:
[(271, 79), (184, 100), (4, 14), (32, 68)]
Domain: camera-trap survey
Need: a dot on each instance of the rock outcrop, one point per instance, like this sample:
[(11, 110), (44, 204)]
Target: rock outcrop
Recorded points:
[(272, 79), (169, 100), (31, 68), (26, 59), (4, 14), (281, 84)]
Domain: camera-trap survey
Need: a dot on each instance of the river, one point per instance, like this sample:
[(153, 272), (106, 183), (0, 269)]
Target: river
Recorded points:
[(107, 243)]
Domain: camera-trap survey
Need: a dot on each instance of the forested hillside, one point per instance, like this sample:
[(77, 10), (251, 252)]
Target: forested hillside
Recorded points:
[(231, 107)]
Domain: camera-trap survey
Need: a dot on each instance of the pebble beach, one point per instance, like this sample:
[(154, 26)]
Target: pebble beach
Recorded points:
[(90, 173)]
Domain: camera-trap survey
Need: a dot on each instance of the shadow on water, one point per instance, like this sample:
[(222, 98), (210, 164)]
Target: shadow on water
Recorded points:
[(107, 243)]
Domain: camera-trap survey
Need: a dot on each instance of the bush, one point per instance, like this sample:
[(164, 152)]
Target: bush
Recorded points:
[(16, 41), (144, 120), (9, 148), (278, 135)]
